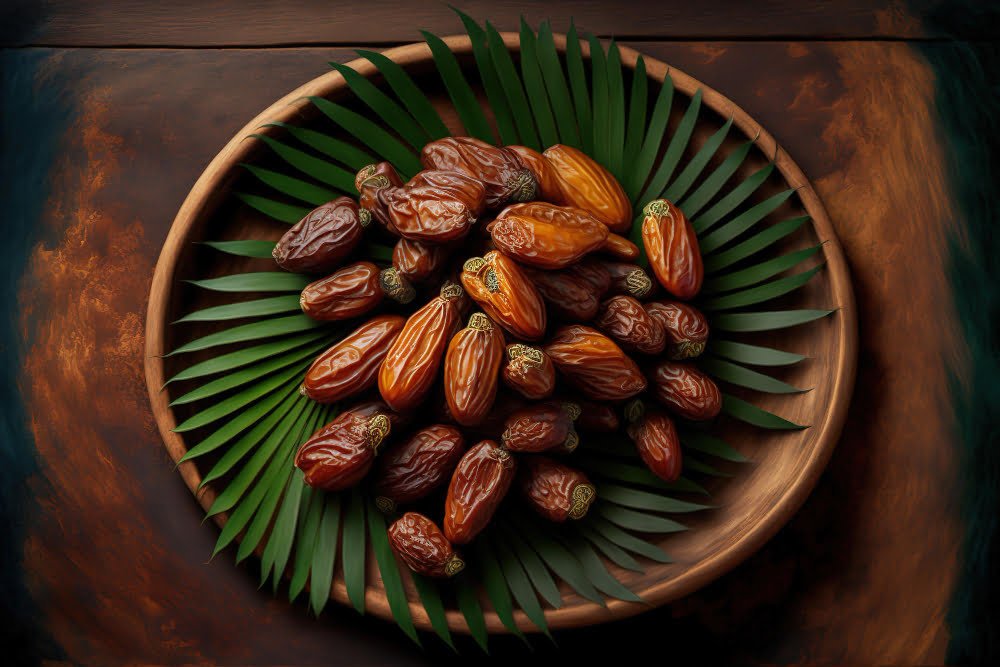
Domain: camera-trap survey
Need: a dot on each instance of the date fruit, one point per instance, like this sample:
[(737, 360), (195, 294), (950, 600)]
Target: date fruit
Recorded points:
[(629, 279), (503, 174), (672, 248), (319, 242), (370, 182), (545, 177), (686, 328), (351, 366), (624, 319), (621, 248), (655, 438), (341, 453), (539, 427), (594, 364), (422, 546), (587, 185), (412, 470), (594, 272), (686, 391), (352, 291), (418, 262), (555, 491), (477, 487), (547, 236), (471, 369), (412, 363), (597, 417), (569, 296), (435, 206), (529, 371), (504, 291)]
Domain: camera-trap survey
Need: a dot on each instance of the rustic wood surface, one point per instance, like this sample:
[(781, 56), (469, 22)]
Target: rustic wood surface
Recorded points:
[(115, 556)]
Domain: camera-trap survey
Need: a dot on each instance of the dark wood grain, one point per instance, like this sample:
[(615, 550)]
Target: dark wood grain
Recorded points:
[(116, 557), (258, 22)]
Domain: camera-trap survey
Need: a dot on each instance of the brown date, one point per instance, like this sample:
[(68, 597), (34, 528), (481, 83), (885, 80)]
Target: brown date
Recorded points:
[(672, 248), (594, 272), (411, 365), (686, 390), (655, 438), (556, 491), (569, 296), (353, 290), (411, 470), (341, 453), (529, 371), (371, 181), (545, 177), (319, 242), (621, 248), (587, 185), (594, 364), (471, 367), (351, 366), (435, 206), (624, 319), (422, 546), (685, 326), (540, 427), (545, 235), (477, 487), (629, 279), (504, 291), (503, 174), (418, 262)]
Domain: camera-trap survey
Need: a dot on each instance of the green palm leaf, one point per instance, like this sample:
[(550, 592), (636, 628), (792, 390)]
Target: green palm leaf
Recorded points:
[(611, 551), (640, 521), (325, 555), (353, 548), (753, 354), (235, 311), (305, 544), (458, 88), (491, 82), (619, 537), (578, 86), (346, 154), (392, 581), (279, 542), (559, 559), (291, 186), (505, 570), (758, 272), (247, 355), (600, 102), (597, 573), (468, 602), (616, 112), (314, 167), (511, 84), (409, 94), (644, 500), (261, 281), (759, 241), (646, 157), (531, 73), (765, 321), (687, 177), (248, 248), (430, 598), (385, 107), (541, 580), (761, 293), (740, 409), (708, 444), (743, 222), (713, 183), (558, 90), (675, 149), (733, 198), (274, 209)]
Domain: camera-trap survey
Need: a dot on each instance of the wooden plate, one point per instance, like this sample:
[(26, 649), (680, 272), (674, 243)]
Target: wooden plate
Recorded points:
[(753, 504)]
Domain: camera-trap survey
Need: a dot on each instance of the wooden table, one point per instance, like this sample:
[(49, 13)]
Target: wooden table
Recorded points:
[(131, 101)]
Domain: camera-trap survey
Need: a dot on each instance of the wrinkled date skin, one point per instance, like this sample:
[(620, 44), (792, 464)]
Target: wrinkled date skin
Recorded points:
[(351, 366), (529, 371), (656, 440), (555, 491), (471, 370), (319, 242), (503, 174), (686, 391), (435, 206), (340, 454), (352, 291), (412, 363), (412, 470), (423, 547), (504, 291), (672, 248), (594, 364), (621, 248), (418, 262), (539, 427), (587, 185), (569, 296), (371, 182), (629, 279), (477, 487), (624, 319), (545, 176), (594, 272), (547, 236), (685, 326)]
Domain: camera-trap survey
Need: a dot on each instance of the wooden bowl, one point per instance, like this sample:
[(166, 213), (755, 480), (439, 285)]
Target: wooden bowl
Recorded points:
[(753, 504)]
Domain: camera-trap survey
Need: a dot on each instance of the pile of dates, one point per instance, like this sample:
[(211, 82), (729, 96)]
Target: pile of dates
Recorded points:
[(511, 323)]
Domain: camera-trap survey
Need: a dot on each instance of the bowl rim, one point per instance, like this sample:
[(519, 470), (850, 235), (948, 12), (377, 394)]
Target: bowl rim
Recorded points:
[(585, 613)]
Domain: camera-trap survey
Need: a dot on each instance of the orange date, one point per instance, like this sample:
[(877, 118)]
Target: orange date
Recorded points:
[(477, 487), (506, 294), (672, 248), (471, 369), (595, 364)]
